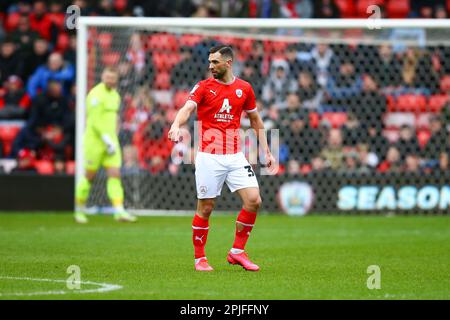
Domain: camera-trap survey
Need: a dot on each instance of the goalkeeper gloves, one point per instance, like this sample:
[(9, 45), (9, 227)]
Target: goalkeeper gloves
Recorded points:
[(110, 146)]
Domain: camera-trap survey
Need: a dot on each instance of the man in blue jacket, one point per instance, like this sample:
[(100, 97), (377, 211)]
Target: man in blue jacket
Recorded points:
[(55, 69)]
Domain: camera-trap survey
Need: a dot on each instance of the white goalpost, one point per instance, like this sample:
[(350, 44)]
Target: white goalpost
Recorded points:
[(281, 33)]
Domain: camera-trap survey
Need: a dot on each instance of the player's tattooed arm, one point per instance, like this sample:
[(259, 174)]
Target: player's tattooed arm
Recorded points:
[(181, 118)]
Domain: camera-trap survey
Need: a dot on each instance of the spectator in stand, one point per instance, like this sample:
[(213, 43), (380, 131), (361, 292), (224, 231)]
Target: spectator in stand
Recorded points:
[(70, 55), (427, 73), (444, 162), (86, 8), (407, 143), (412, 163), (322, 55), (299, 131), (295, 65), (418, 74), (26, 161), (24, 37), (326, 9), (140, 59), (152, 143), (276, 88), (14, 103), (250, 75), (438, 140), (319, 164), (45, 126), (130, 161), (40, 21), (55, 69), (185, 72), (386, 68), (259, 59), (352, 164), (296, 9), (345, 87), (352, 131), (293, 107), (440, 12), (368, 159), (39, 56), (10, 62), (106, 8), (333, 152), (138, 110), (308, 90), (378, 144), (393, 162), (369, 105)]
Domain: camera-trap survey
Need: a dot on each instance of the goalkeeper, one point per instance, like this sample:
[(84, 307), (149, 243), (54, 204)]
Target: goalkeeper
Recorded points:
[(101, 146)]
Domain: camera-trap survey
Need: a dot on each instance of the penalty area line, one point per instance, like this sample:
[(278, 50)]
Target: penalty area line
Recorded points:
[(103, 287)]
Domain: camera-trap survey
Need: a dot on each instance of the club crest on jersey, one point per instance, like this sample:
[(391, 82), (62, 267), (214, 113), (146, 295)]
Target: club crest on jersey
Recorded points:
[(239, 93)]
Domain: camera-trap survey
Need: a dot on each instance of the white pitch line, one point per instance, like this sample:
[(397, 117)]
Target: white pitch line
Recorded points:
[(104, 287)]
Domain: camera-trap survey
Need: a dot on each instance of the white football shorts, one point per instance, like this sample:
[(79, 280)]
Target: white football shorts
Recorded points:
[(212, 170)]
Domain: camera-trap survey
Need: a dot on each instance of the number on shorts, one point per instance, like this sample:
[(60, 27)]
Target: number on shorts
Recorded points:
[(250, 171)]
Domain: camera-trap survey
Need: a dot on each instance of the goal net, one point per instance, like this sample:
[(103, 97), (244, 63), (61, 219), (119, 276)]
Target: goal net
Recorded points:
[(362, 113)]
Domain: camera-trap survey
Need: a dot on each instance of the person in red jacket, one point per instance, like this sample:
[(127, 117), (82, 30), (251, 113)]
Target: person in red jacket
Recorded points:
[(153, 144)]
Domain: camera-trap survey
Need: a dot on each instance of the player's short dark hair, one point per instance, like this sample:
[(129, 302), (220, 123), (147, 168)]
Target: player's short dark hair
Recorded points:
[(112, 69), (224, 50)]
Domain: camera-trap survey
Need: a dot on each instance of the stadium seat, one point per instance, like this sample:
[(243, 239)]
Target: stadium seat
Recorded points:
[(362, 5), (336, 119), (104, 40), (180, 98), (162, 81), (390, 101), (437, 102), (163, 42), (110, 58), (445, 83), (70, 167), (12, 21), (411, 103), (397, 119), (45, 167), (165, 61), (189, 40), (228, 40), (391, 134), (7, 135), (347, 8), (423, 136), (275, 47), (423, 120), (62, 42), (397, 9), (120, 5), (8, 132), (314, 120), (58, 19)]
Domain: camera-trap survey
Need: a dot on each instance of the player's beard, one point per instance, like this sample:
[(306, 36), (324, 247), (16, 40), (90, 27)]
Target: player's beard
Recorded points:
[(220, 74)]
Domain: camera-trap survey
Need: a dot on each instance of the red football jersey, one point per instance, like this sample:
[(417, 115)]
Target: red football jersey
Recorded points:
[(219, 109)]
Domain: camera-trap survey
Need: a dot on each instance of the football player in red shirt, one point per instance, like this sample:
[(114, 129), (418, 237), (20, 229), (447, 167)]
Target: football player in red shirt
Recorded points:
[(220, 101)]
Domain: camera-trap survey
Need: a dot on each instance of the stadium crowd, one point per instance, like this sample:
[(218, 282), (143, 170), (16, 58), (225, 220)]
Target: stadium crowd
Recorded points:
[(348, 108)]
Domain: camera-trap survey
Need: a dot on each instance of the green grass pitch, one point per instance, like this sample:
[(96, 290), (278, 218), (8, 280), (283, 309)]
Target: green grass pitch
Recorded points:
[(312, 257)]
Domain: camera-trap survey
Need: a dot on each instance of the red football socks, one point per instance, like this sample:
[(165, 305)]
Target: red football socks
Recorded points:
[(247, 219), (200, 229)]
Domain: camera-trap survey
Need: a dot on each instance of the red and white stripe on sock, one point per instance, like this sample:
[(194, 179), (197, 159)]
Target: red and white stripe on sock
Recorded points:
[(247, 220), (200, 229)]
